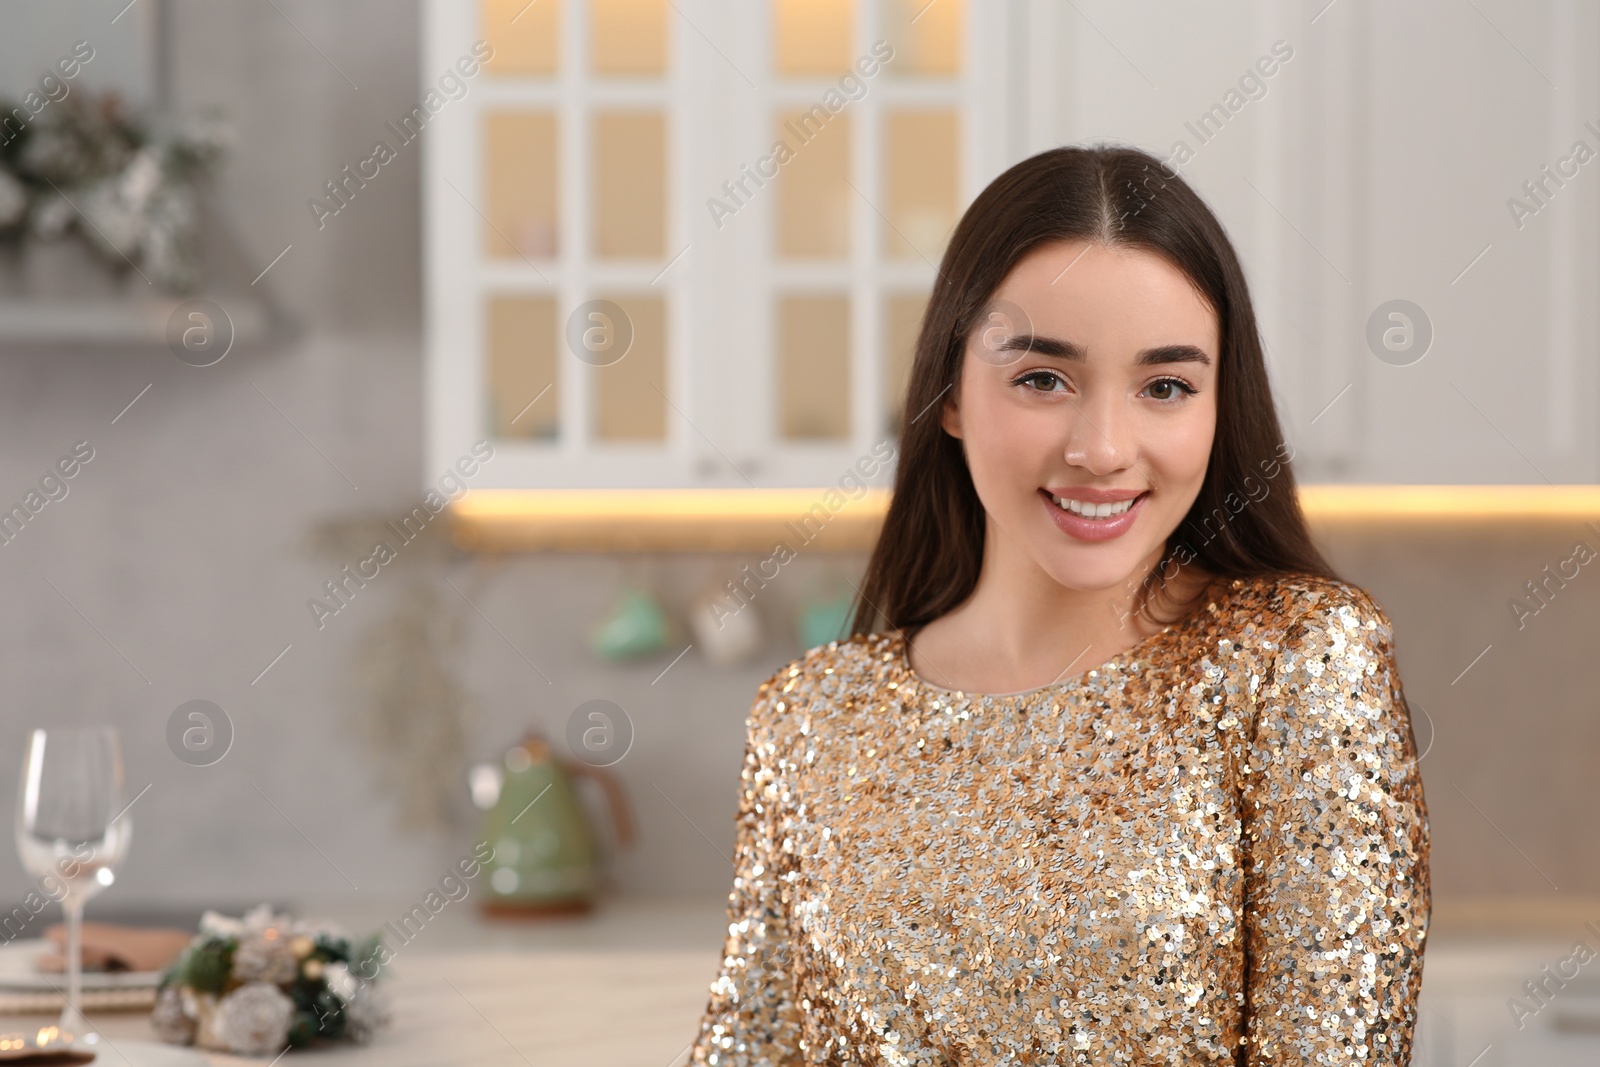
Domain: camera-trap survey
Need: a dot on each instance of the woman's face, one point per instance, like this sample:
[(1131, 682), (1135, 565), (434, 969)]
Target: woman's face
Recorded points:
[(1090, 383)]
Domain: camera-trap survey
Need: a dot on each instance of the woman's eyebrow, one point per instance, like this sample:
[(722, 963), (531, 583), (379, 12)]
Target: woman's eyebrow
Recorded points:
[(1070, 350)]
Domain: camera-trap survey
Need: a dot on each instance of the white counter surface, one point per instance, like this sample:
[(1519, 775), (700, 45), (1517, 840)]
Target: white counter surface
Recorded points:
[(626, 985)]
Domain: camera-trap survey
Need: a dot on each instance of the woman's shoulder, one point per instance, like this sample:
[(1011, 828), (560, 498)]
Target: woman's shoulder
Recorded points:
[(1284, 608), (1324, 646), (855, 664), (1326, 693), (858, 659)]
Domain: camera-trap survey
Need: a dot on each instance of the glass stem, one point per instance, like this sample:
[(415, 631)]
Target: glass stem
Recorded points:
[(72, 1019)]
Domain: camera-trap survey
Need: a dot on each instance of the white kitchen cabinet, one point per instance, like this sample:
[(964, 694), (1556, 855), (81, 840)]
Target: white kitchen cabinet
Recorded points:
[(1382, 161), (626, 151)]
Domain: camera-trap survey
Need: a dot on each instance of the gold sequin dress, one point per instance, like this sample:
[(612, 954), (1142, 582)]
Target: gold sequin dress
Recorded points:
[(1210, 849)]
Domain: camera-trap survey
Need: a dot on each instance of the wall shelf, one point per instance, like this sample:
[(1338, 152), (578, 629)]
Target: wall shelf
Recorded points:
[(117, 321), (755, 520)]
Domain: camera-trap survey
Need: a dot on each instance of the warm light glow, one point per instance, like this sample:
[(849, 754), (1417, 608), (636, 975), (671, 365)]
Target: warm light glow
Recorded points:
[(603, 520), (664, 519), (645, 504), (1451, 502)]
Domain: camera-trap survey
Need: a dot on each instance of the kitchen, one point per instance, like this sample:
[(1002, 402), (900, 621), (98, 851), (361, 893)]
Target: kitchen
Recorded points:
[(311, 723)]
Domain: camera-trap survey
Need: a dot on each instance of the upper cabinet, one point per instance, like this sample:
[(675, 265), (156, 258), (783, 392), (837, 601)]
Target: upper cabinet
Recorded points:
[(1408, 190), (687, 244)]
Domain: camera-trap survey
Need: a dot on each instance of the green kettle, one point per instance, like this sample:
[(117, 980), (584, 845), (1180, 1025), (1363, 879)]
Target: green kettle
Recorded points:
[(545, 860)]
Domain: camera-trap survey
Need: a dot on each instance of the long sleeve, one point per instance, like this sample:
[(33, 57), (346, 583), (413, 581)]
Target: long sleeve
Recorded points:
[(752, 1017), (1335, 848)]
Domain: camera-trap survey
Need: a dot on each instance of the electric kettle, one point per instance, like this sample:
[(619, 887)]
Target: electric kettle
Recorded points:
[(545, 857)]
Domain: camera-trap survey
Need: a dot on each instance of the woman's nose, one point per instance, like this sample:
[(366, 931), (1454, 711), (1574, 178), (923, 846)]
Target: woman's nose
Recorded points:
[(1097, 437)]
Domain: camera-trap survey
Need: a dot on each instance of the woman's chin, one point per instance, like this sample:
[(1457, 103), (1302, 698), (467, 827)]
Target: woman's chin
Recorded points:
[(1090, 570)]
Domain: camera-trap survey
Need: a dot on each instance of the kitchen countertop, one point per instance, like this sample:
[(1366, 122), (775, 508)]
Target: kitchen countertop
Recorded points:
[(626, 984), (508, 1009)]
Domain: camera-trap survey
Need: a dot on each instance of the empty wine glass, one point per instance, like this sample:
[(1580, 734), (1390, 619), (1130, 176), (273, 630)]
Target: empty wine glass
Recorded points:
[(72, 832)]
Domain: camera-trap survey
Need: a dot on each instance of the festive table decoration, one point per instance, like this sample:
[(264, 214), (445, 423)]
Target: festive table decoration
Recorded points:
[(263, 983), (126, 183)]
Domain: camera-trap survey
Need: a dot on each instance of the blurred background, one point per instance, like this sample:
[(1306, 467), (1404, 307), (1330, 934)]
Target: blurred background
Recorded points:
[(286, 278)]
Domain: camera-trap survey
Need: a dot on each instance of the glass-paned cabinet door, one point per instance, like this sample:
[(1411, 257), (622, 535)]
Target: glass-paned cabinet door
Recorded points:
[(889, 116), (687, 243)]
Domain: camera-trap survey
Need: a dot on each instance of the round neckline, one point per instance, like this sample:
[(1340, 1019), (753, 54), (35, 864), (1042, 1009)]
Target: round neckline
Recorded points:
[(903, 657)]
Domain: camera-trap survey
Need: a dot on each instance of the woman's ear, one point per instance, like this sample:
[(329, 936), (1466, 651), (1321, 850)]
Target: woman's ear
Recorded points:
[(950, 417)]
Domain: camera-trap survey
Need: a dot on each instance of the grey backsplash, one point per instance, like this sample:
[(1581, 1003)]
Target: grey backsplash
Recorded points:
[(181, 562)]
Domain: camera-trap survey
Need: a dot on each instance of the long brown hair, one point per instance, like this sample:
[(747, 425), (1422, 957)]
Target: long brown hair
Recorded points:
[(930, 550)]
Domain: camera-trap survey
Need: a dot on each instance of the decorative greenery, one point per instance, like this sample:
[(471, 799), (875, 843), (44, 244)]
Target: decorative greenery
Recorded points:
[(125, 183), (205, 965), (407, 699), (261, 984)]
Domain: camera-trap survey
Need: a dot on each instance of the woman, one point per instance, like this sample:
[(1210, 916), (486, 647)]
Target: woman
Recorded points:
[(1127, 774)]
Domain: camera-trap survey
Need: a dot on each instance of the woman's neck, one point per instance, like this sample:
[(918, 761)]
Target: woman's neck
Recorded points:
[(1020, 628)]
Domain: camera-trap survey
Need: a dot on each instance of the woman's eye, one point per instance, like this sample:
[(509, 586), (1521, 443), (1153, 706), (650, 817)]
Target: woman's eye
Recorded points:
[(1041, 381), (1166, 389)]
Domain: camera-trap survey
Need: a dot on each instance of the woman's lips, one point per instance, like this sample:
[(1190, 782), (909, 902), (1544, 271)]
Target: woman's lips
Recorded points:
[(1085, 529)]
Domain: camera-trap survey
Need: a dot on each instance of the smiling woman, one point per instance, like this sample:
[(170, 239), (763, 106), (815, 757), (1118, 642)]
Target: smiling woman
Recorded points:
[(1116, 357), (1105, 833), (1111, 452)]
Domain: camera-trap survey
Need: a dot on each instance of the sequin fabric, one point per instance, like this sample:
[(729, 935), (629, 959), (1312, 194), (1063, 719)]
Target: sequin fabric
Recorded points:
[(1212, 848)]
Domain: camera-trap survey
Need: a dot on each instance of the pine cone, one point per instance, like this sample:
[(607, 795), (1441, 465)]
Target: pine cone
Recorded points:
[(168, 1019), (261, 959), (253, 1019)]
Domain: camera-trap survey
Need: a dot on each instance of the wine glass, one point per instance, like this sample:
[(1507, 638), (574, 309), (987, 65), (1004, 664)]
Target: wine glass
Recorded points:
[(72, 832)]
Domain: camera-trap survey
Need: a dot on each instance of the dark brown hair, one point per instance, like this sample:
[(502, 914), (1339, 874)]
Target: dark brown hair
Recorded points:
[(929, 553)]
